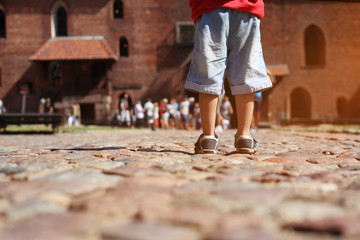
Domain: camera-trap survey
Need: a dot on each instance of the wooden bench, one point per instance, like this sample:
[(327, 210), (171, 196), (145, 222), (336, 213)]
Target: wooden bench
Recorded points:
[(53, 119)]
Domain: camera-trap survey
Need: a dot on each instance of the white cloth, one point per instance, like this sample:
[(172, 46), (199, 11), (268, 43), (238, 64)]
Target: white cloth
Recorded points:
[(73, 119), (149, 107), (139, 111), (225, 108), (184, 107), (125, 116), (156, 113)]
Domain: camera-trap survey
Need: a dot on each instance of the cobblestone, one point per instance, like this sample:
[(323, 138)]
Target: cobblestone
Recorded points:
[(144, 185)]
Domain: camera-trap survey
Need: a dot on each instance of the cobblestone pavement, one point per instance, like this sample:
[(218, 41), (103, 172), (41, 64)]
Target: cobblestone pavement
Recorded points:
[(143, 185)]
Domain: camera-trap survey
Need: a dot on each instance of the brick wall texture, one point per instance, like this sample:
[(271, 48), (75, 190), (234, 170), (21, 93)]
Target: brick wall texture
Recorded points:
[(283, 31)]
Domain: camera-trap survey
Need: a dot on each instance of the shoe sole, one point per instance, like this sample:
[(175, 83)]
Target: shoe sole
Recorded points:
[(206, 151), (246, 150)]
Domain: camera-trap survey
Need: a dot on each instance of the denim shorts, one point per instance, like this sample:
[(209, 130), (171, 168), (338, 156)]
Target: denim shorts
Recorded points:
[(227, 41)]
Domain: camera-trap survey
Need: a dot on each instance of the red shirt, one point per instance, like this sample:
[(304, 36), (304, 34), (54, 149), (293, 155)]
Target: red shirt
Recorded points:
[(198, 7)]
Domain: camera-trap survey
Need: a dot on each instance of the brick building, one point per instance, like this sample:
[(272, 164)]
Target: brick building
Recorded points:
[(319, 41), (90, 52)]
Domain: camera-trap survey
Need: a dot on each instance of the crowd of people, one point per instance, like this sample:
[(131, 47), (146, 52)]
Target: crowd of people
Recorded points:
[(172, 114), (163, 114)]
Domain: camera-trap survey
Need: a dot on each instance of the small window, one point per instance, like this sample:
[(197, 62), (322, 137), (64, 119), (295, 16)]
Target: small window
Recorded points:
[(61, 24), (314, 46), (25, 88), (2, 24), (124, 47), (184, 34), (118, 9)]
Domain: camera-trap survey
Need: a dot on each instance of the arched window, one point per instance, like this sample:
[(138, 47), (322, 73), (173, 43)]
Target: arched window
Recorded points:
[(118, 9), (59, 20), (300, 103), (61, 28), (124, 47), (314, 46), (2, 24)]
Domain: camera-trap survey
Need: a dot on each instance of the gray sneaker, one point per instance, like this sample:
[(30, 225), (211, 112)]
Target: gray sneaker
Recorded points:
[(245, 144), (206, 144)]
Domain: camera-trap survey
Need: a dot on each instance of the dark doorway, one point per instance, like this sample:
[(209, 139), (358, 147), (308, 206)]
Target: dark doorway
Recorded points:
[(300, 104), (87, 111)]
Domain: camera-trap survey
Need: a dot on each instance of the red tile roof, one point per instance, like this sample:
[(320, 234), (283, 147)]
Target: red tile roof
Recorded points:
[(74, 48)]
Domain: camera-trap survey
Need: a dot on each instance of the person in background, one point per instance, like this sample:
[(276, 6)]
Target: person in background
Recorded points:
[(149, 109), (219, 127), (184, 111), (74, 115), (2, 107), (166, 114), (48, 108), (161, 113), (42, 105), (197, 116), (191, 113), (139, 115), (156, 114), (125, 108), (172, 111), (226, 112)]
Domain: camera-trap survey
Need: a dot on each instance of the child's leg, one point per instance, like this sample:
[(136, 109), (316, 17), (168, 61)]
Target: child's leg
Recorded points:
[(244, 110), (208, 107)]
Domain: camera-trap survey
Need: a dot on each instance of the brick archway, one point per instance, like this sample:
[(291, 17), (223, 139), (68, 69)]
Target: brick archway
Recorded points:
[(300, 103)]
